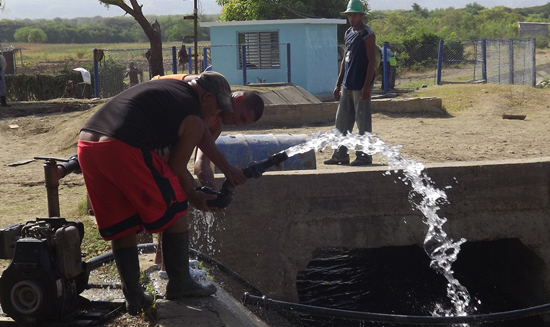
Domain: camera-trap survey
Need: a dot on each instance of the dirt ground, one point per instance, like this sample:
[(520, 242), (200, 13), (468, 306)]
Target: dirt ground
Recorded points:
[(476, 133)]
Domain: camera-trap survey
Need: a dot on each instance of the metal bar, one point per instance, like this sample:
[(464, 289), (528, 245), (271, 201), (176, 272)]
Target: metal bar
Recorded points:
[(174, 60), (385, 67), (52, 187), (96, 75), (484, 59), (440, 62), (244, 64), (288, 64)]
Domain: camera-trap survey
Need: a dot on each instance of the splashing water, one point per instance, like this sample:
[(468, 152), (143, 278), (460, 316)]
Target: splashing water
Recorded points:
[(205, 222), (423, 196)]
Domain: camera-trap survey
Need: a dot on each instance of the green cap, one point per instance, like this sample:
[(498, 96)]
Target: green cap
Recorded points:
[(354, 6)]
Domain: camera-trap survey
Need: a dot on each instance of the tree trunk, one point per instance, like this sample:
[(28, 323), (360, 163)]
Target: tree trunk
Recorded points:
[(156, 60), (153, 32)]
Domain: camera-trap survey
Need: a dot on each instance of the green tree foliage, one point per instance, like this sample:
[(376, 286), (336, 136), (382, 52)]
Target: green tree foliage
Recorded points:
[(419, 11), (543, 10), (37, 35), (473, 8), (22, 34), (30, 34), (472, 22), (280, 9), (103, 30), (421, 45)]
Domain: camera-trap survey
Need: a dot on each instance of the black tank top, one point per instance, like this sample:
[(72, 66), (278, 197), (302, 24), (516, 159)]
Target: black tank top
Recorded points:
[(148, 115)]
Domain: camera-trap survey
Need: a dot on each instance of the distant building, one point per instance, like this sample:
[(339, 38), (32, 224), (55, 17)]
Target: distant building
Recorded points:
[(11, 59), (313, 51), (533, 29)]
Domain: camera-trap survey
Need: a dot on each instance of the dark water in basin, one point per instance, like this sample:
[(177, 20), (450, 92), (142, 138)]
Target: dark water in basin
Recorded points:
[(501, 276)]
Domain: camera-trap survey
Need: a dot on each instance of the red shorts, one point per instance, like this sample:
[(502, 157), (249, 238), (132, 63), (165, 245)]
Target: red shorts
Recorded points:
[(130, 189)]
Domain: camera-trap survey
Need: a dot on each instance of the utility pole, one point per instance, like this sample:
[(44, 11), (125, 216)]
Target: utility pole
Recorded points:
[(194, 17)]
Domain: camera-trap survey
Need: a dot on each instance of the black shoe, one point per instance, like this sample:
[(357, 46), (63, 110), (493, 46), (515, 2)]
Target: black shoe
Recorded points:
[(337, 161), (361, 161)]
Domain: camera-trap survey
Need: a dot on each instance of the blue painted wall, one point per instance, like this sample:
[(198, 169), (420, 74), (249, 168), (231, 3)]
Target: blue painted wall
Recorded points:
[(313, 48)]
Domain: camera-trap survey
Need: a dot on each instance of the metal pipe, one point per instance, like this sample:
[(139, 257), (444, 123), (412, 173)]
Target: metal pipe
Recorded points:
[(440, 62), (195, 33), (52, 187), (174, 60), (96, 75)]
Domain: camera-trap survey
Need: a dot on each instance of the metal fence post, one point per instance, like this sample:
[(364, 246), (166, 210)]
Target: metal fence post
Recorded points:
[(96, 75), (174, 60), (534, 63), (204, 58), (244, 63), (190, 58), (385, 67), (288, 65), (484, 59), (439, 62), (510, 61)]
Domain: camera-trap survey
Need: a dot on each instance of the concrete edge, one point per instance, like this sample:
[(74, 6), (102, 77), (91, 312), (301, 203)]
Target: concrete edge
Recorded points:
[(383, 168), (233, 313), (313, 114)]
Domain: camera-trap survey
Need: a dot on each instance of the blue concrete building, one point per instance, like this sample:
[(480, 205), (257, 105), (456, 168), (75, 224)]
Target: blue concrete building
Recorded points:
[(301, 51)]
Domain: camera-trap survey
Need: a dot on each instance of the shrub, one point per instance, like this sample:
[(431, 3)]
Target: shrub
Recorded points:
[(39, 87)]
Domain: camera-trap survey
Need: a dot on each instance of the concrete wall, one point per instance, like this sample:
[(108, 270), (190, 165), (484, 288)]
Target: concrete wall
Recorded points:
[(276, 223), (533, 29)]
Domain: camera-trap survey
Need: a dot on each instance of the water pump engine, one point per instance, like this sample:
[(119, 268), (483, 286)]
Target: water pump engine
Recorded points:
[(46, 274)]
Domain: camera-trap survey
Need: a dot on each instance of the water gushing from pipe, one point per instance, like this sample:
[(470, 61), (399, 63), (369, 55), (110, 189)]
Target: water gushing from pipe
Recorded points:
[(423, 196)]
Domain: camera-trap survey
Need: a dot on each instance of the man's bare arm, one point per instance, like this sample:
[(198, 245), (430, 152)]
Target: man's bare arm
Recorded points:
[(203, 165)]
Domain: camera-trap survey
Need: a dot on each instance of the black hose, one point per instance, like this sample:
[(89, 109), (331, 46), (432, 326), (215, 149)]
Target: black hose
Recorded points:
[(267, 303), (103, 259), (392, 318), (108, 257)]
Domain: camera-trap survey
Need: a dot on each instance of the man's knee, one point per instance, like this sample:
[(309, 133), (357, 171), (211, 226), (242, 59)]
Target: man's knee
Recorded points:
[(179, 226), (126, 241)]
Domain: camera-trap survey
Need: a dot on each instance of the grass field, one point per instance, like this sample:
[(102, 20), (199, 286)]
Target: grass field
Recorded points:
[(35, 53)]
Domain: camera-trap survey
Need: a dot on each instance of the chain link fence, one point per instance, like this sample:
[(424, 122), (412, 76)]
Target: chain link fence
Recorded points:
[(490, 61), (413, 66), (113, 66), (416, 65), (460, 61)]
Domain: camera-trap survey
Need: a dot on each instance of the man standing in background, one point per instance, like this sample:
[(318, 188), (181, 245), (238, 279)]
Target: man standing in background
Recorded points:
[(357, 77)]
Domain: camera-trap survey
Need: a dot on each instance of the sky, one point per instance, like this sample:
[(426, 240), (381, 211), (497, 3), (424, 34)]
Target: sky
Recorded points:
[(49, 9)]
